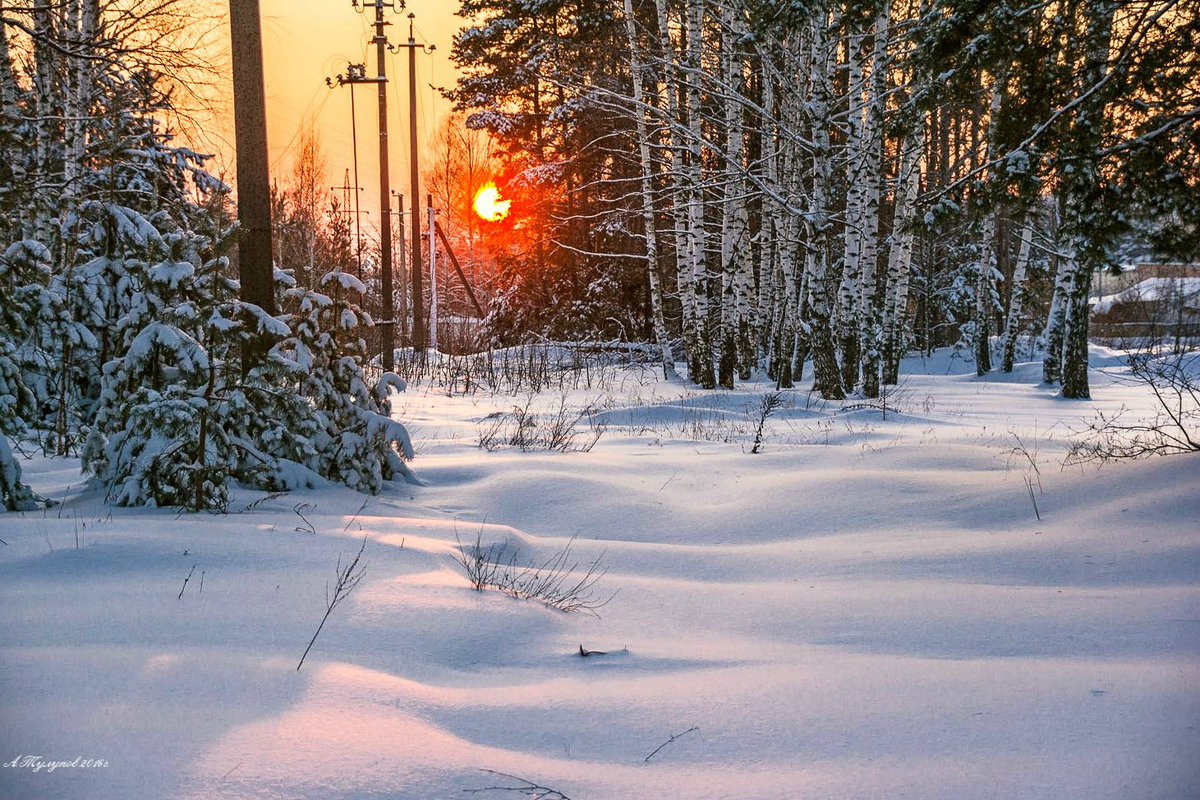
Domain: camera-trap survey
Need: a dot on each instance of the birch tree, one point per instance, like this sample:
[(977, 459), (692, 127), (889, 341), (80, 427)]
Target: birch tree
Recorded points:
[(826, 378), (650, 229), (873, 139)]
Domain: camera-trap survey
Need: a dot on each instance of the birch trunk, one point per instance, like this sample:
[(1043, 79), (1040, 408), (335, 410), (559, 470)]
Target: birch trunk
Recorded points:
[(770, 284), (826, 379), (779, 223), (647, 185), (984, 295), (869, 324), (685, 285), (735, 258), (985, 283), (1056, 319), (1012, 324), (1079, 187), (46, 89), (10, 170), (848, 321), (700, 356), (900, 257)]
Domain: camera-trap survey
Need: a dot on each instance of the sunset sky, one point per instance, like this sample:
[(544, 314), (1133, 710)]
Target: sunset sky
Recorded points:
[(305, 41)]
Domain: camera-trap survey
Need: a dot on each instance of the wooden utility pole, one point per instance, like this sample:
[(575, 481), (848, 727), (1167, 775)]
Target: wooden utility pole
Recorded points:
[(418, 301), (255, 259), (403, 271), (385, 196), (357, 185), (433, 283), (356, 73)]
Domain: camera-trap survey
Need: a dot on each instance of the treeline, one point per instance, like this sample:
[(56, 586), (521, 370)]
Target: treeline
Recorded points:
[(123, 338), (770, 183)]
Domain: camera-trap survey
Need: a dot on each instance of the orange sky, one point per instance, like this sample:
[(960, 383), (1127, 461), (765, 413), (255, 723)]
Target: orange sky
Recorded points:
[(305, 41)]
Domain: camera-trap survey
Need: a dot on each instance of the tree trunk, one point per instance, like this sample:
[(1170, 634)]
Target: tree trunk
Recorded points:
[(735, 255), (701, 356), (651, 232), (1081, 181), (1012, 324), (826, 378), (1056, 321), (869, 324), (900, 256), (848, 320), (985, 283), (47, 87), (685, 285)]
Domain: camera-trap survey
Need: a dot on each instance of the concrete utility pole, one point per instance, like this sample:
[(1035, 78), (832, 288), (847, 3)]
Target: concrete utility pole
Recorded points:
[(255, 259), (418, 302)]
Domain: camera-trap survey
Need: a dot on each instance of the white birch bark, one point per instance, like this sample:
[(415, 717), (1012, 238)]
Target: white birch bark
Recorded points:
[(856, 164), (985, 284), (701, 371), (767, 307), (825, 369), (868, 310), (680, 194), (83, 19), (900, 256), (46, 86), (735, 256), (1012, 323), (656, 298), (1056, 319), (9, 169), (787, 167)]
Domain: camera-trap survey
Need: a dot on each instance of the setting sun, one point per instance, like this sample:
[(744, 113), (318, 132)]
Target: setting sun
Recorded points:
[(489, 205)]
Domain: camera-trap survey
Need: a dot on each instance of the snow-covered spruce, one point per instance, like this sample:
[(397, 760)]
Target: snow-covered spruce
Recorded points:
[(16, 400), (344, 432), (178, 421), (160, 435)]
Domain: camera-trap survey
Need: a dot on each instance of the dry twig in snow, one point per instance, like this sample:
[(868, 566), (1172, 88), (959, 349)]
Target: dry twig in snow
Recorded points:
[(347, 579), (527, 788), (674, 736)]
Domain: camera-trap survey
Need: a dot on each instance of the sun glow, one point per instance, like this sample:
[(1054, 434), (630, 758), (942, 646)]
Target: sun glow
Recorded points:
[(488, 204)]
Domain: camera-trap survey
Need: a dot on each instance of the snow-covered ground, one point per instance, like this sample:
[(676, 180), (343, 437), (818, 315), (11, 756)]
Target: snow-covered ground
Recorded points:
[(868, 608)]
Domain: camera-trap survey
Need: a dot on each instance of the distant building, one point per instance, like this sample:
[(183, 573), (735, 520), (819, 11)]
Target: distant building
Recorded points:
[(1147, 302)]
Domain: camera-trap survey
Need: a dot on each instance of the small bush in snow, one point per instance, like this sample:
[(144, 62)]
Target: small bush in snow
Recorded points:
[(1174, 381), (557, 429), (558, 582), (770, 403)]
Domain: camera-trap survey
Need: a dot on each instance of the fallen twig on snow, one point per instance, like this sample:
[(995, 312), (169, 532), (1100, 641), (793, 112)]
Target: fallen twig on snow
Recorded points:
[(185, 581), (674, 736), (528, 788)]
